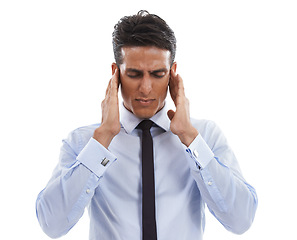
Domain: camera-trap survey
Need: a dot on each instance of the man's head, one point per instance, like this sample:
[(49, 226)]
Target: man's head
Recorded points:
[(144, 49)]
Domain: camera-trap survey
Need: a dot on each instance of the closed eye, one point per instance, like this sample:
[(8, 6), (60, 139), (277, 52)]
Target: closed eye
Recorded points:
[(159, 73), (133, 73)]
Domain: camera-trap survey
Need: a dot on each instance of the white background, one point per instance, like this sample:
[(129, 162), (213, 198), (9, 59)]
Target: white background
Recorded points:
[(238, 60)]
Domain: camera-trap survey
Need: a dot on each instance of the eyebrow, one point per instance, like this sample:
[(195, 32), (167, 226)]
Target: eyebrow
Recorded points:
[(133, 70), (140, 71), (159, 70)]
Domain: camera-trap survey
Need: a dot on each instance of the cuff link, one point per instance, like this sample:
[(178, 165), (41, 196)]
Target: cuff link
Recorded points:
[(195, 153), (104, 161)]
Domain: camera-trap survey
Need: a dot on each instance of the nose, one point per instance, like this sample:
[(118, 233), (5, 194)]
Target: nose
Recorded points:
[(145, 86)]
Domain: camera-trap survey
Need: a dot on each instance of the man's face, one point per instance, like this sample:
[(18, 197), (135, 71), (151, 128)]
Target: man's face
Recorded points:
[(144, 76)]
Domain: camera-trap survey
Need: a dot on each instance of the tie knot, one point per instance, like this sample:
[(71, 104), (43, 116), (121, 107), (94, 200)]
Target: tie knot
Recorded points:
[(145, 125)]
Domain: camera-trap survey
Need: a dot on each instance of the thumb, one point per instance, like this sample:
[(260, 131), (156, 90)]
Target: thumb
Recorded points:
[(170, 114)]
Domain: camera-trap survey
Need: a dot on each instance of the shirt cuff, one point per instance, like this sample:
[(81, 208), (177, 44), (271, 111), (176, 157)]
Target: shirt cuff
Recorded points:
[(96, 157), (200, 153)]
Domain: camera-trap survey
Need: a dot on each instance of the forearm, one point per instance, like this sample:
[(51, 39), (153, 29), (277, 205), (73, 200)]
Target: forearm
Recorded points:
[(219, 179), (230, 199), (61, 204)]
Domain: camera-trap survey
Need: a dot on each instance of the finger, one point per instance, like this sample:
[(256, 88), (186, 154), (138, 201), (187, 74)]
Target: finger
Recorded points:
[(181, 99), (115, 75), (115, 81), (176, 87), (173, 78), (108, 87), (181, 88), (173, 86), (170, 114)]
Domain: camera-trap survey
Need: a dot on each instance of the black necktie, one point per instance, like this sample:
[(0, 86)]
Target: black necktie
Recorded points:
[(149, 229)]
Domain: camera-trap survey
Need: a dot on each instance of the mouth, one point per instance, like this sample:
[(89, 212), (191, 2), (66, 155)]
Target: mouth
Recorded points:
[(144, 101)]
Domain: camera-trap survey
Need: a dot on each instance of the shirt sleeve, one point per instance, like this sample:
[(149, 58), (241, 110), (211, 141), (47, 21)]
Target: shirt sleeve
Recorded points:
[(61, 204), (218, 176)]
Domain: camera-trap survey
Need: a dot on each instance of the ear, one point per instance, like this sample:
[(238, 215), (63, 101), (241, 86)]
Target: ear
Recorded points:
[(114, 66), (173, 67)]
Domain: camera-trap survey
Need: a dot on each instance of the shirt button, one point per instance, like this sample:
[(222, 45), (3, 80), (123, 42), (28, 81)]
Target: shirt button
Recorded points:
[(196, 154), (88, 191), (209, 183)]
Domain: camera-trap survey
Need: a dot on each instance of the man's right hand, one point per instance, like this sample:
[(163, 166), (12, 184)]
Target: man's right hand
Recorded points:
[(110, 124)]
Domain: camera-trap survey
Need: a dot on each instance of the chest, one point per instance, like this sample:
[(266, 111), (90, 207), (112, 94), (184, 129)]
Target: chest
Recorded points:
[(124, 177)]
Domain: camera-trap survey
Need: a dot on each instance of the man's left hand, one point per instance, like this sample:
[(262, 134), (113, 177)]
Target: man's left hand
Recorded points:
[(180, 119)]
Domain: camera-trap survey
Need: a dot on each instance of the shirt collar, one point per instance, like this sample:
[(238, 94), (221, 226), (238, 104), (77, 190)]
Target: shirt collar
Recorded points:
[(129, 121)]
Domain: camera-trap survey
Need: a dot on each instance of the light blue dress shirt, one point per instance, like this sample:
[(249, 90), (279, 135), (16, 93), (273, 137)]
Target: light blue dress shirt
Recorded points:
[(108, 183)]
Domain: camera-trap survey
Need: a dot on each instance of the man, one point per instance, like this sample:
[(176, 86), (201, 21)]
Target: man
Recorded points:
[(102, 166)]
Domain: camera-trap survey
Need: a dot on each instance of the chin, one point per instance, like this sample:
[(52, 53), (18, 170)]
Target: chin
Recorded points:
[(144, 113)]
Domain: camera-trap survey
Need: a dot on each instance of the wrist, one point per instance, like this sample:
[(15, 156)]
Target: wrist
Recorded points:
[(104, 135), (188, 136)]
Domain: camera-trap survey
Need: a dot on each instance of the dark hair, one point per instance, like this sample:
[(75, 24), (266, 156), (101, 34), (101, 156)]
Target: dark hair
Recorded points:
[(142, 29)]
